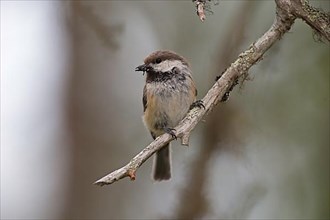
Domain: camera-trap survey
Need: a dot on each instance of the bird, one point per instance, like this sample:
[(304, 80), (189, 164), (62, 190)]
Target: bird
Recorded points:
[(168, 94)]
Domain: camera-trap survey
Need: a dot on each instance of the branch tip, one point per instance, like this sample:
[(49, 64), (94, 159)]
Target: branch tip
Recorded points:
[(99, 183)]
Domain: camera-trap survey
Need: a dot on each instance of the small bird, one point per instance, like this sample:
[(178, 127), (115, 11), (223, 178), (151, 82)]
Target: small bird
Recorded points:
[(168, 94)]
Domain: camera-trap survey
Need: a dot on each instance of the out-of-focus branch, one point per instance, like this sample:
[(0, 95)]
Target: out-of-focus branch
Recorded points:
[(192, 202), (238, 69), (107, 34), (317, 19)]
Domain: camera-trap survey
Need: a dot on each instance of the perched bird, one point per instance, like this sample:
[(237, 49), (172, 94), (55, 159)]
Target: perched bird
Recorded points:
[(168, 94)]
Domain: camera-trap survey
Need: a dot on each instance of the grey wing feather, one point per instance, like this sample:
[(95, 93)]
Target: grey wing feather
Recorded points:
[(144, 99)]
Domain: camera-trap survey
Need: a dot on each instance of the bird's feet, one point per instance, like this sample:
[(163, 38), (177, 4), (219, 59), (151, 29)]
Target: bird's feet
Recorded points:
[(170, 131), (198, 103)]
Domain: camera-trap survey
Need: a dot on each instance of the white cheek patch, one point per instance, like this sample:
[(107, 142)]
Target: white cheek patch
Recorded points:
[(167, 65)]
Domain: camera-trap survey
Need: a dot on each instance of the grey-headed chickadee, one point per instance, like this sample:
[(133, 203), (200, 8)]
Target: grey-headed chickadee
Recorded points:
[(168, 94)]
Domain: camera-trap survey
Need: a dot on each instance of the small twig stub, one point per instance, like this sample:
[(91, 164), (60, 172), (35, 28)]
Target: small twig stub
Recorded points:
[(201, 7), (200, 10)]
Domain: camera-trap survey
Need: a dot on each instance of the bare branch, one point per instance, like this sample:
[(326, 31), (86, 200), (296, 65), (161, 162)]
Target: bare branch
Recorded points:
[(317, 19), (238, 69)]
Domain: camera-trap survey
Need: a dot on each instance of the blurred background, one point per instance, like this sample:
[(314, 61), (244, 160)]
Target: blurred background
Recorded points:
[(71, 107)]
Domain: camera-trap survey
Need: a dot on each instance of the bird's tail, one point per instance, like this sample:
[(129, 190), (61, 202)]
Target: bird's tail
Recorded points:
[(162, 164)]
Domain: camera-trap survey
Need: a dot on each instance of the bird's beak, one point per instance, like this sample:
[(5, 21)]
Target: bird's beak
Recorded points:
[(142, 67)]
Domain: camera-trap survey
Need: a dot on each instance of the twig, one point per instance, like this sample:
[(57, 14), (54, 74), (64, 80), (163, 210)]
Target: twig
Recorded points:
[(239, 69), (200, 9)]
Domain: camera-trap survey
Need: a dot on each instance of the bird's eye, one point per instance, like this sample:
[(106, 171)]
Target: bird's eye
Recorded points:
[(158, 60)]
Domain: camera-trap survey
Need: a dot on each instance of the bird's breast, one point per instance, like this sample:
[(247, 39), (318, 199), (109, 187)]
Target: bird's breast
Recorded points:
[(167, 104)]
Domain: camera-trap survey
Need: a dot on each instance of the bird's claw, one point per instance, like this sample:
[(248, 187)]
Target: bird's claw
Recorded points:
[(170, 131), (198, 103)]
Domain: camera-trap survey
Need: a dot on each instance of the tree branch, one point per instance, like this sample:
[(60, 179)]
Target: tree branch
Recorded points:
[(317, 19), (284, 19)]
